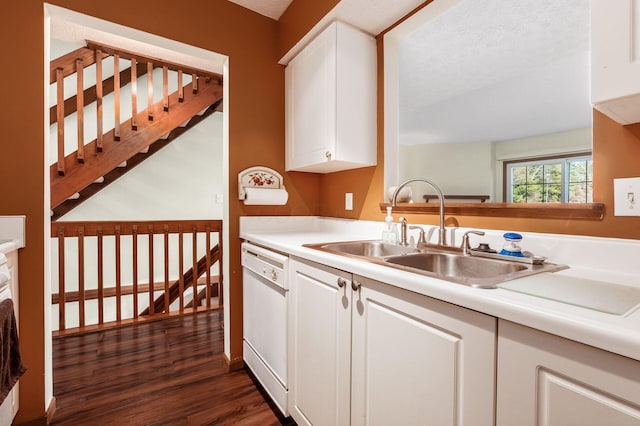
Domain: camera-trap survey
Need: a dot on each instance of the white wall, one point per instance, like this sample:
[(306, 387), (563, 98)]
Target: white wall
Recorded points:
[(477, 168), (560, 143), (181, 181), (457, 168)]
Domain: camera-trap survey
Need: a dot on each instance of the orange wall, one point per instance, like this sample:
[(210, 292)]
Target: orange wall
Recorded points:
[(254, 44), (22, 157), (298, 19), (256, 132)]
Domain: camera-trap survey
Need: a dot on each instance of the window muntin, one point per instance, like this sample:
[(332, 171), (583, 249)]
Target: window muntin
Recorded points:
[(554, 180)]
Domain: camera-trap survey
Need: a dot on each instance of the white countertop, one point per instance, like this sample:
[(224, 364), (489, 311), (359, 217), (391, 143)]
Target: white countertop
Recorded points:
[(616, 333)]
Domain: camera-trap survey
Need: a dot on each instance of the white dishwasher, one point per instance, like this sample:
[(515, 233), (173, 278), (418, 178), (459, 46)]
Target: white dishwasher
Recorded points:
[(265, 313)]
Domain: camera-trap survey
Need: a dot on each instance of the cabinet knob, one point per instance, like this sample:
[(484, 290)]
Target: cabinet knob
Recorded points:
[(274, 275), (355, 285), (328, 155), (342, 282)]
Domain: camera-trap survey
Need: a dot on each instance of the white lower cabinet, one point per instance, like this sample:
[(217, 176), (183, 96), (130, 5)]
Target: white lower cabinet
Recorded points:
[(547, 380), (364, 352)]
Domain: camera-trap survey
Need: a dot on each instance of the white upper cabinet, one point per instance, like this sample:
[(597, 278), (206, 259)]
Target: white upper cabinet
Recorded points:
[(615, 59), (331, 102)]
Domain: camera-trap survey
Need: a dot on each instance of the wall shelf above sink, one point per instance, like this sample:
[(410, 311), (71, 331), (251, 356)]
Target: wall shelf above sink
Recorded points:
[(588, 211)]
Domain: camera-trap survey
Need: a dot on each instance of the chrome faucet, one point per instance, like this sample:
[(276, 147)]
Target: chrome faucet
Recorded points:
[(466, 247), (442, 235)]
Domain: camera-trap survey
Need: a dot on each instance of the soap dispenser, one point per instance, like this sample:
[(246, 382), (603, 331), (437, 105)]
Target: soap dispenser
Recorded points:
[(390, 230)]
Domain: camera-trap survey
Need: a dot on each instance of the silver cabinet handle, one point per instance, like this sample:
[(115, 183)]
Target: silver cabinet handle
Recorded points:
[(355, 285), (342, 282), (274, 275)]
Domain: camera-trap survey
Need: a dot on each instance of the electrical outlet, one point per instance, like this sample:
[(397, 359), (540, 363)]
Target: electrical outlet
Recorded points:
[(348, 201), (626, 197)]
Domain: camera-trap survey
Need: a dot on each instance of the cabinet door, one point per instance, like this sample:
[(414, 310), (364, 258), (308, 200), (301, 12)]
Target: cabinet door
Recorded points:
[(615, 57), (310, 83), (419, 361), (320, 344), (547, 380)]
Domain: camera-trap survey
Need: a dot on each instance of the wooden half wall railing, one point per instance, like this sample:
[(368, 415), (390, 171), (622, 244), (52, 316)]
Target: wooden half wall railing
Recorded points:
[(111, 273)]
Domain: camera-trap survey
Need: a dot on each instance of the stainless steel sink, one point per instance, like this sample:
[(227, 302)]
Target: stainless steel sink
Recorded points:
[(446, 263), (366, 248), (468, 270)]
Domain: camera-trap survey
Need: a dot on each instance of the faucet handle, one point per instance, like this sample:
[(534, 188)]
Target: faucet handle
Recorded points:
[(465, 240), (421, 238)]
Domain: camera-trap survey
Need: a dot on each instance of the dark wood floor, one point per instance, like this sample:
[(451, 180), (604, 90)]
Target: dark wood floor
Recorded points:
[(169, 372)]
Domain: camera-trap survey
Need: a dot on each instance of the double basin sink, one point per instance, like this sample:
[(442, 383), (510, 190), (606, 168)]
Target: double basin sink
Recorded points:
[(446, 263)]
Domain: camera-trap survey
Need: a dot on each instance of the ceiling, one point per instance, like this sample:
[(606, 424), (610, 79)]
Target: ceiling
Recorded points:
[(493, 70), (271, 8)]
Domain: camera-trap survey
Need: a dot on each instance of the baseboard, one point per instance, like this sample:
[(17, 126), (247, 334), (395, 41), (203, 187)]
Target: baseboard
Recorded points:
[(51, 410), (234, 364), (40, 421)]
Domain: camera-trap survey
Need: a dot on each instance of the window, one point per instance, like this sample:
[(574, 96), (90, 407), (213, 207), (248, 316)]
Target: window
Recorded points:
[(551, 180)]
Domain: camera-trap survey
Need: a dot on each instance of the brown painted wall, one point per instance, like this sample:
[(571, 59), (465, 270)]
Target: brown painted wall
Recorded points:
[(254, 44), (256, 132), (22, 158), (298, 19)]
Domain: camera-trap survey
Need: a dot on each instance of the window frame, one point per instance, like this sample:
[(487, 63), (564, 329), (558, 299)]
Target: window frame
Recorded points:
[(507, 192)]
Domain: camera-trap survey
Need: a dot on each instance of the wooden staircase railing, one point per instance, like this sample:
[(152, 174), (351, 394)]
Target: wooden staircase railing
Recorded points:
[(186, 280), (74, 172), (108, 271)]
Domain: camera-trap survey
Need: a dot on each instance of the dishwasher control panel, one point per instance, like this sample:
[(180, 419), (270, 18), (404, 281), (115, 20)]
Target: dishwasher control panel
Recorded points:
[(269, 265)]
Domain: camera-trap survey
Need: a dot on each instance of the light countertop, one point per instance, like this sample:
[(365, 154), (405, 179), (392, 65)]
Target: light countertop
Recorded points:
[(615, 333)]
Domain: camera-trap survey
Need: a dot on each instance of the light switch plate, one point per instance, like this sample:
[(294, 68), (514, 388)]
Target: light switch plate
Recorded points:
[(626, 197), (348, 201)]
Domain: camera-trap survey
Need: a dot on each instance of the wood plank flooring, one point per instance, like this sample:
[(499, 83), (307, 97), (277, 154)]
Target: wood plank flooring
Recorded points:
[(168, 372)]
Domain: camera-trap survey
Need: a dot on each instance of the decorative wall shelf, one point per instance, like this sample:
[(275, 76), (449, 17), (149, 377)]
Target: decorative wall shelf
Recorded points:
[(590, 211)]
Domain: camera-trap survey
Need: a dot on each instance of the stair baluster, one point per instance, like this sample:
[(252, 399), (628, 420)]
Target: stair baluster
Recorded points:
[(80, 109), (100, 131), (194, 83), (165, 88), (134, 93), (60, 119), (116, 96), (150, 90)]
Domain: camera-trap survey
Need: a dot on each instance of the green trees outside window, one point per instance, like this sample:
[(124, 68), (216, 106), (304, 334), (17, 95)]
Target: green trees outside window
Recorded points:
[(557, 180)]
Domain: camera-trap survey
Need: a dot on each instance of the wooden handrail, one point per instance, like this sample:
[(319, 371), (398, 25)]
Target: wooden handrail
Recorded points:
[(124, 237), (67, 63), (157, 62)]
